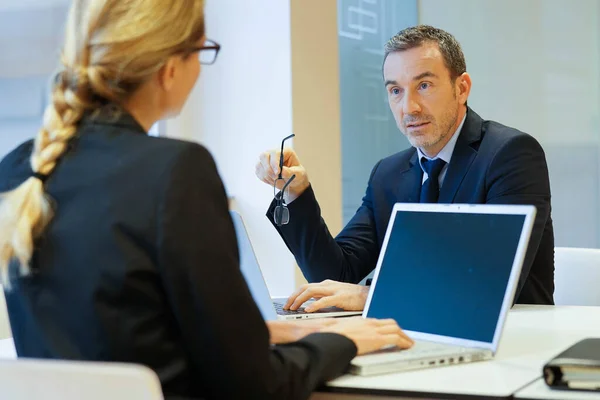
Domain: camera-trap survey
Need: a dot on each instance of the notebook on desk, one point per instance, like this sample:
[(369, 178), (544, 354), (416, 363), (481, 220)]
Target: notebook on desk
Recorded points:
[(271, 308), (447, 273)]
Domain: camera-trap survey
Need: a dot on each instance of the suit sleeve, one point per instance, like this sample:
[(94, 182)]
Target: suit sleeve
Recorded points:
[(222, 329), (348, 257), (518, 174)]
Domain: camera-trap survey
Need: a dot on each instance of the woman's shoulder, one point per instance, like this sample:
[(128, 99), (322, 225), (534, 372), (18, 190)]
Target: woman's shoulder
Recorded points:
[(112, 125), (176, 152), (170, 162), (124, 141)]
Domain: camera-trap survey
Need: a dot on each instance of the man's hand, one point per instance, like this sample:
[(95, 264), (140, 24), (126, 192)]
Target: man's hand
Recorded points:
[(267, 170), (329, 293)]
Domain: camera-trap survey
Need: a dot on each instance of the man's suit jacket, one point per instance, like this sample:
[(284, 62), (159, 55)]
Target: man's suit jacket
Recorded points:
[(140, 264), (491, 164)]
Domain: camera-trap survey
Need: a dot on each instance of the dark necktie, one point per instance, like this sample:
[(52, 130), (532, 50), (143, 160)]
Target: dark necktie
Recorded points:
[(430, 190)]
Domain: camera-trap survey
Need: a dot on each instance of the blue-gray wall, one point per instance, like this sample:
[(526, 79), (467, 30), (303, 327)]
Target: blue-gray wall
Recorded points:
[(369, 132)]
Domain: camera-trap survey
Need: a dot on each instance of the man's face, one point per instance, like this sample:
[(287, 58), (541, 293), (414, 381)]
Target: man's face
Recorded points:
[(423, 98)]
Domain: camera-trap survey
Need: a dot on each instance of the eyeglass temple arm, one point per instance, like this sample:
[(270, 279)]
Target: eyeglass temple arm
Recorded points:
[(279, 195), (281, 154)]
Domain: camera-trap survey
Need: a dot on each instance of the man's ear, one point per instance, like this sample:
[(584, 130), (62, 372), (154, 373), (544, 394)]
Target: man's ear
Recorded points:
[(464, 87), (166, 75)]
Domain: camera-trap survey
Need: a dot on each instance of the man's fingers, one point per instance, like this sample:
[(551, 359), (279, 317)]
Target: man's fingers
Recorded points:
[(323, 302), (289, 157), (286, 173), (323, 292), (314, 290), (297, 293), (274, 161), (302, 298), (292, 297), (261, 174), (265, 162)]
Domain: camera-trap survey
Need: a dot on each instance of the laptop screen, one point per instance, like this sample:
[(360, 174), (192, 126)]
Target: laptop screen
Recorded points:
[(446, 273), (251, 270)]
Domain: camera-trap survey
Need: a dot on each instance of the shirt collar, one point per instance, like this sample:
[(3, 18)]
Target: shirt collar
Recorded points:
[(114, 115), (446, 153)]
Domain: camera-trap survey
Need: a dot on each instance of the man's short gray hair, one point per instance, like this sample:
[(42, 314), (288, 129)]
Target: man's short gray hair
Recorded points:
[(416, 36)]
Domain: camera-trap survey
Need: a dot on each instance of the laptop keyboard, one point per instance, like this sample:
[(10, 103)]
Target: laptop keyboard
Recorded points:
[(425, 348), (420, 348), (281, 311)]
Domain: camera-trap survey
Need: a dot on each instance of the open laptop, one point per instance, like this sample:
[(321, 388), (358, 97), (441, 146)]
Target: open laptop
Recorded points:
[(271, 309), (447, 273)]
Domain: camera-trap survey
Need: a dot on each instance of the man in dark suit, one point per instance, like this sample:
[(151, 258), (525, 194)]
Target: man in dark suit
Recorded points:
[(457, 157)]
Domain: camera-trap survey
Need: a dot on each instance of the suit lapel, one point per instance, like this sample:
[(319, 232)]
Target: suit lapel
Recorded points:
[(462, 157), (408, 185)]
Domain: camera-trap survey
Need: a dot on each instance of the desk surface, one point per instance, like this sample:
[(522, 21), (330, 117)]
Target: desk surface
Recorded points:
[(532, 335), (540, 391), (535, 334)]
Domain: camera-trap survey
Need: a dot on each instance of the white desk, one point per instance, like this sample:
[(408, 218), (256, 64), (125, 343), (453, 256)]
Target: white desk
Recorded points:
[(540, 391), (535, 334), (532, 335)]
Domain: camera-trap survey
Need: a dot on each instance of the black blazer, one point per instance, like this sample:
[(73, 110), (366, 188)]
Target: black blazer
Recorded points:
[(140, 264), (491, 163)]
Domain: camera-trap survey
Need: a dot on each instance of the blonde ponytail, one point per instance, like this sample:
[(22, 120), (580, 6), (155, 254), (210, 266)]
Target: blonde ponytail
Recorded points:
[(26, 211), (111, 48)]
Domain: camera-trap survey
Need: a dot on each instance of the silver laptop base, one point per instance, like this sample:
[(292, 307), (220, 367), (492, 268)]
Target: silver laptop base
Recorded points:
[(422, 355)]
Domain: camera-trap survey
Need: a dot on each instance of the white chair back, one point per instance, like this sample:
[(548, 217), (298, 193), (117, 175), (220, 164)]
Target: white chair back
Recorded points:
[(576, 276), (7, 349), (27, 379)]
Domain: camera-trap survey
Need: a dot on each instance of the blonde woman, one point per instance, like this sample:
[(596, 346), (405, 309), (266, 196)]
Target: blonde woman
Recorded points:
[(117, 246)]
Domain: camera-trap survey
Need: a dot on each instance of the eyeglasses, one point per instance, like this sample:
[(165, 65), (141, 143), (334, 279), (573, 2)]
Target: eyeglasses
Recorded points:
[(281, 214), (209, 52)]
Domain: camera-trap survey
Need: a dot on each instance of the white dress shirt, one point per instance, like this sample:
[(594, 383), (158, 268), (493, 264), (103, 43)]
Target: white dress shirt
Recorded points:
[(445, 154)]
